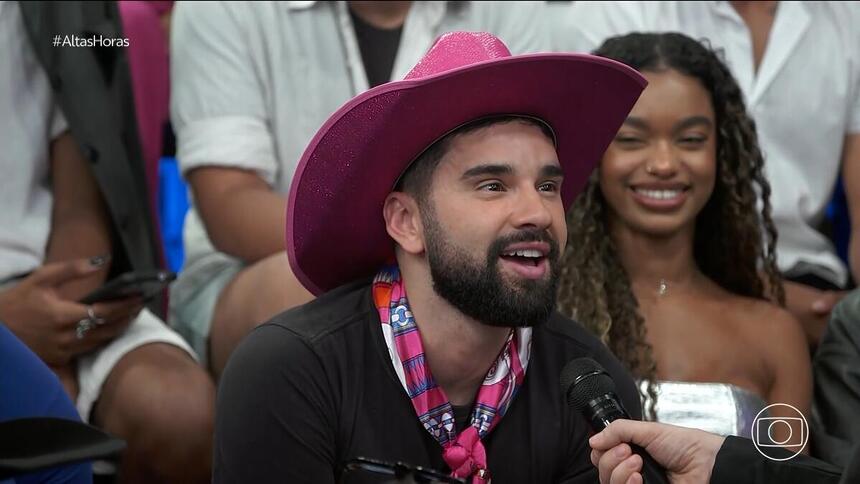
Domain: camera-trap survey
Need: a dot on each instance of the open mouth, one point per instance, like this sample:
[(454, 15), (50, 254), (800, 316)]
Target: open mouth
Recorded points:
[(528, 260), (531, 257), (661, 198)]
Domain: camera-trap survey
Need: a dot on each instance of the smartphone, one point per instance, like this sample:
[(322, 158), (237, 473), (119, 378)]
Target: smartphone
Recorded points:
[(142, 284)]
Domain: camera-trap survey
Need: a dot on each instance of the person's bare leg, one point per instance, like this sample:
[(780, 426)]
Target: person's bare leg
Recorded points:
[(162, 403), (257, 293)]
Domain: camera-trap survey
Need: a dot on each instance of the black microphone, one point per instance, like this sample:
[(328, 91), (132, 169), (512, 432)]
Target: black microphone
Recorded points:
[(589, 390)]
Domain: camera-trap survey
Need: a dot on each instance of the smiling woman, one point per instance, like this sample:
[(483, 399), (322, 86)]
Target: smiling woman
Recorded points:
[(665, 247)]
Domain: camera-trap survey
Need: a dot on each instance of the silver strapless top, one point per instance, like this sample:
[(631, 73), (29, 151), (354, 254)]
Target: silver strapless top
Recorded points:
[(718, 408)]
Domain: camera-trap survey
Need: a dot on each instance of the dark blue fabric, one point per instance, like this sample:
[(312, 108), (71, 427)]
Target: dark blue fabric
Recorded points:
[(28, 388)]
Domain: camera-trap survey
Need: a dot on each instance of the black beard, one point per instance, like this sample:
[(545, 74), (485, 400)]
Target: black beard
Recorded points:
[(479, 291)]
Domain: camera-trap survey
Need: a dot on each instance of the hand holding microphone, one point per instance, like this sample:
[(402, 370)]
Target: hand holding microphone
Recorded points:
[(590, 390), (687, 454)]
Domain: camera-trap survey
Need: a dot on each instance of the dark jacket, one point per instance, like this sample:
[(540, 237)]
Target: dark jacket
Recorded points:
[(93, 87), (836, 373), (738, 462)]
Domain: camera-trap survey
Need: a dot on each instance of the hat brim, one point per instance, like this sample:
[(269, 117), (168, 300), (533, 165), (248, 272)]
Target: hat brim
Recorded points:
[(335, 228)]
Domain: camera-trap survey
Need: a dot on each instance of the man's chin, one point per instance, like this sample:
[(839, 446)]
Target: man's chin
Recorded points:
[(524, 285)]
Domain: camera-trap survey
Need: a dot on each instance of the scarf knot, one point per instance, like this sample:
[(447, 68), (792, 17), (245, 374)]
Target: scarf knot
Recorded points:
[(466, 456)]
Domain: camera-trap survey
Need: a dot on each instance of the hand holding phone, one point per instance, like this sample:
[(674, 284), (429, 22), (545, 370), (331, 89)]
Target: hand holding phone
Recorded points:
[(131, 284)]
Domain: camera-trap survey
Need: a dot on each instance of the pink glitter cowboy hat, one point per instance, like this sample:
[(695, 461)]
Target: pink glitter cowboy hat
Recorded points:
[(335, 229)]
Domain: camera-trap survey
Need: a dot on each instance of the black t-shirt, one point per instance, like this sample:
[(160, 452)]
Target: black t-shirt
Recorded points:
[(378, 49), (315, 387)]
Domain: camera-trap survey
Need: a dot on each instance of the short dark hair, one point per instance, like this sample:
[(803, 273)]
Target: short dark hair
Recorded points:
[(418, 177)]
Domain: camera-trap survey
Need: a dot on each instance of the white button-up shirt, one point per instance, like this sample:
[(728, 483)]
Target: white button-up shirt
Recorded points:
[(253, 81), (30, 120), (805, 98)]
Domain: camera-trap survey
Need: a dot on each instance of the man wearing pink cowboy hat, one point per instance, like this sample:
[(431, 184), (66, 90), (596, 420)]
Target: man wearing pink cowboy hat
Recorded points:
[(449, 186)]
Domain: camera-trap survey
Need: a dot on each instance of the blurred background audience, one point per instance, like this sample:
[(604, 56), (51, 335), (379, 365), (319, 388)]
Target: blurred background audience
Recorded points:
[(251, 83), (75, 215)]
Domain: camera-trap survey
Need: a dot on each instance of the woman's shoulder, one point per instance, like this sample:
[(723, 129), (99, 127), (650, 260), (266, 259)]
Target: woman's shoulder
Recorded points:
[(766, 324)]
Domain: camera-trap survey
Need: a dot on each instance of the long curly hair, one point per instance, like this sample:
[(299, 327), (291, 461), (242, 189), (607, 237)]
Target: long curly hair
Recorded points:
[(729, 246)]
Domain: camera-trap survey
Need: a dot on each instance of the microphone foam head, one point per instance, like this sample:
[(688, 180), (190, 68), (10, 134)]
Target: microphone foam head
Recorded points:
[(583, 380)]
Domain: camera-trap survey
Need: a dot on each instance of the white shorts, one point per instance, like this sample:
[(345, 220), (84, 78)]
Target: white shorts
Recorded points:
[(94, 368)]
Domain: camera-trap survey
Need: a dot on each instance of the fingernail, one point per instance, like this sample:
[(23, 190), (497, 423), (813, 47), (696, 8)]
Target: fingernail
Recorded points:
[(620, 451), (819, 305), (99, 260)]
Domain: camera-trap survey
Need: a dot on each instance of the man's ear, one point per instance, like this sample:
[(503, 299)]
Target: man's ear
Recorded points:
[(403, 222)]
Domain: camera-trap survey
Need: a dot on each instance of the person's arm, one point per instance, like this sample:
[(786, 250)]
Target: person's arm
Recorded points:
[(220, 111), (851, 181), (80, 225), (243, 216), (275, 420), (784, 346), (41, 310)]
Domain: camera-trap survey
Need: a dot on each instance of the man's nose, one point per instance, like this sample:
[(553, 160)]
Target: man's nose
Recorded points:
[(532, 210)]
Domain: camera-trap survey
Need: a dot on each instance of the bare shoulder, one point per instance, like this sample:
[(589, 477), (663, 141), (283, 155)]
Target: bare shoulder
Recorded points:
[(777, 334), (768, 323)]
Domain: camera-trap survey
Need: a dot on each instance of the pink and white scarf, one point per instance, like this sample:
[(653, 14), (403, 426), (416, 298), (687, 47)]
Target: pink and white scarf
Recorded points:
[(464, 453)]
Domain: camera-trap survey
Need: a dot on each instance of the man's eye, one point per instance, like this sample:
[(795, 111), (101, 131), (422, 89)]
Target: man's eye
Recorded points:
[(548, 187), (491, 187)]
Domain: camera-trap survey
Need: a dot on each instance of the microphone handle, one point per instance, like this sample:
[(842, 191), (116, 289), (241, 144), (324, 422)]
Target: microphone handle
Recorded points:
[(652, 472), (604, 410)]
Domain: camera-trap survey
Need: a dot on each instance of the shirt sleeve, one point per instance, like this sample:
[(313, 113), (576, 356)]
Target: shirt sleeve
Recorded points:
[(275, 420), (851, 18), (217, 100), (59, 125), (854, 115), (738, 462)]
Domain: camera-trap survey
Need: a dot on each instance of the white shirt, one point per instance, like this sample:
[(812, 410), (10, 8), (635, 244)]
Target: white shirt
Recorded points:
[(252, 82), (29, 121), (805, 98)]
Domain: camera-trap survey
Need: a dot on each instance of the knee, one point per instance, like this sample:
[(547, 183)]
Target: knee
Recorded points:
[(162, 402), (180, 417)]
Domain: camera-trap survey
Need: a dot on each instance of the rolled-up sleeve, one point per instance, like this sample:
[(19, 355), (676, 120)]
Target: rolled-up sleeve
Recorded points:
[(854, 101), (217, 100)]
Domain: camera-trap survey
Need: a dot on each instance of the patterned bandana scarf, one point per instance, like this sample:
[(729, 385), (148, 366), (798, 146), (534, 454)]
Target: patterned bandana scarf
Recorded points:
[(464, 453)]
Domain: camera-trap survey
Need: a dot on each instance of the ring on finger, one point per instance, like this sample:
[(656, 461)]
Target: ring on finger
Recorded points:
[(83, 327), (91, 315)]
